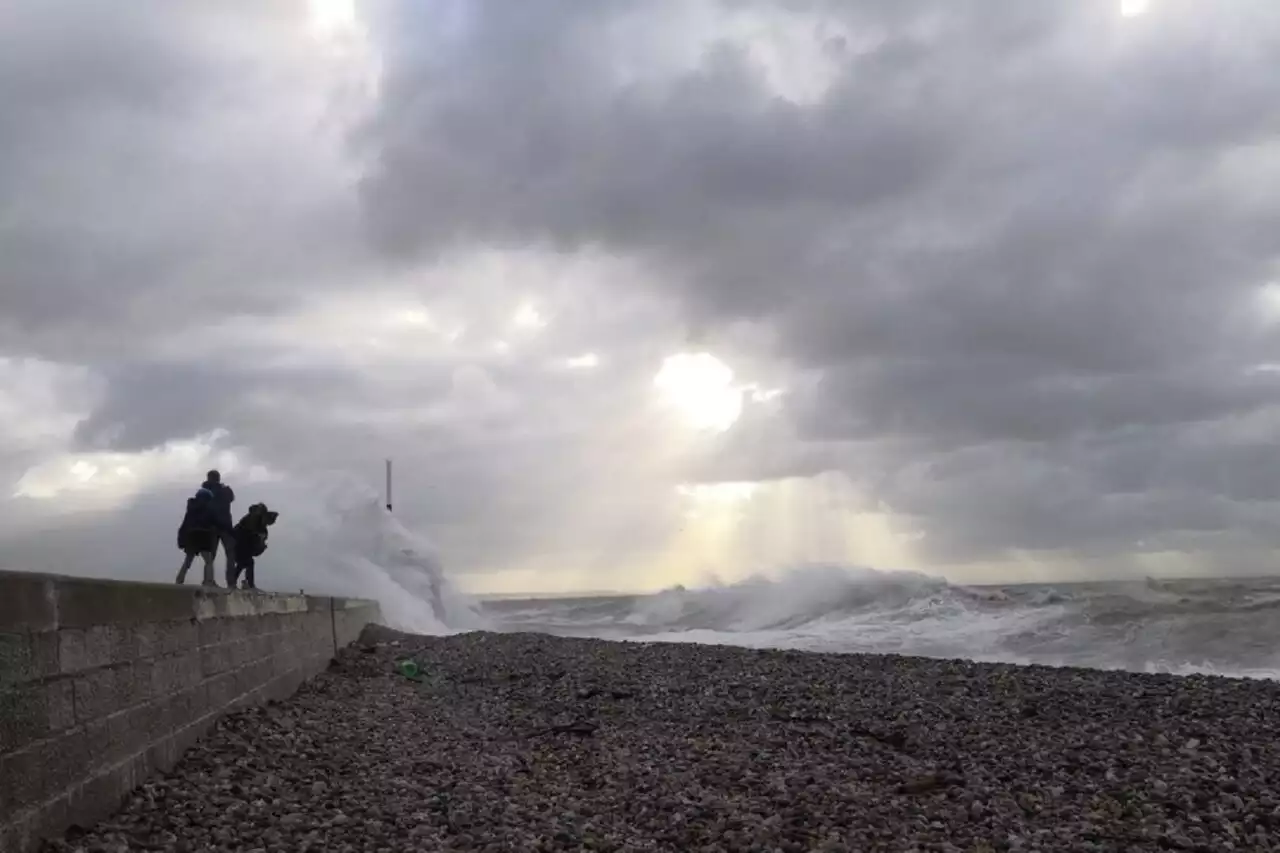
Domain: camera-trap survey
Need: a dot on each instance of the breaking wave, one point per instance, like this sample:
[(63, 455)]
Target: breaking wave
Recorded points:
[(336, 536), (1212, 626), (339, 538)]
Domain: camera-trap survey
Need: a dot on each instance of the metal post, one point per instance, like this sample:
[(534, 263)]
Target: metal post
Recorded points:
[(388, 486)]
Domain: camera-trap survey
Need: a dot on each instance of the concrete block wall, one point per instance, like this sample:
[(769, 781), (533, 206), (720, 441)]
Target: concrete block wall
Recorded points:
[(104, 683)]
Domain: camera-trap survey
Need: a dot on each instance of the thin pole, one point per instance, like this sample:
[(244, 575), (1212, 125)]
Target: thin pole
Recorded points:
[(388, 485)]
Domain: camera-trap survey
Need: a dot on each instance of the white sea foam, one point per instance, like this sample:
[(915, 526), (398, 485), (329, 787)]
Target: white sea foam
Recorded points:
[(334, 535), (1213, 627)]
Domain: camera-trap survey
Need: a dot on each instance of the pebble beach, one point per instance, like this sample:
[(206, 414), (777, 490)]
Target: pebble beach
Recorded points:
[(527, 742)]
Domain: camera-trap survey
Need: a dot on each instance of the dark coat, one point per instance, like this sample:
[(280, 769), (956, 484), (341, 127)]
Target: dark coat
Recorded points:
[(196, 533), (223, 497), (251, 535)]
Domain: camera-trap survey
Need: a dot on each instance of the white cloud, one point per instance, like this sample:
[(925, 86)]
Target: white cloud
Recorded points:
[(106, 480)]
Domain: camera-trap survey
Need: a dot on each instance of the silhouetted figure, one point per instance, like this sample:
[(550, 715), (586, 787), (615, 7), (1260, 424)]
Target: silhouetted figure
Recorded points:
[(197, 535), (251, 542), (223, 497)]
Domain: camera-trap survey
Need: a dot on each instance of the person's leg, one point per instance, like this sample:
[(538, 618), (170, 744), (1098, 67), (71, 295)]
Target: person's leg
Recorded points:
[(186, 565), (228, 540), (208, 570)]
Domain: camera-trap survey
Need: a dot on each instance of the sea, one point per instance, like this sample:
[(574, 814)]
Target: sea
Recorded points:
[(1211, 626), (340, 539)]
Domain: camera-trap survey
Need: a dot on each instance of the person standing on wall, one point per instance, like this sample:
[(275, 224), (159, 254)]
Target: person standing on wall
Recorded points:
[(223, 497), (197, 536), (251, 542)]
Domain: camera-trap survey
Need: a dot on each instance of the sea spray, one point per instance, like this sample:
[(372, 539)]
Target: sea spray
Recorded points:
[(800, 596), (1218, 626), (335, 536)]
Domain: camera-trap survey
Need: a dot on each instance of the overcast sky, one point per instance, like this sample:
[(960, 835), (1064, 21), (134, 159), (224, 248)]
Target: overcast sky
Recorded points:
[(636, 290)]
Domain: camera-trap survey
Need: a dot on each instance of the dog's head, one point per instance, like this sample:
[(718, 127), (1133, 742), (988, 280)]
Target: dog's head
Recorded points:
[(270, 517)]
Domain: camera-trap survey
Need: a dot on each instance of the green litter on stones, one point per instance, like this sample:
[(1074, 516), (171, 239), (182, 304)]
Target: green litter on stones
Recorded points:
[(409, 669)]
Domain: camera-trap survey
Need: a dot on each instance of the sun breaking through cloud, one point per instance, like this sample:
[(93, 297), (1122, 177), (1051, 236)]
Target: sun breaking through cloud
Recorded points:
[(699, 387)]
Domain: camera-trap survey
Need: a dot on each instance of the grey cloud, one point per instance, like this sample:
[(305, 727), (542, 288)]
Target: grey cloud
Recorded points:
[(163, 203), (559, 446), (129, 200), (1008, 266), (1006, 231), (1091, 501), (989, 400), (182, 399)]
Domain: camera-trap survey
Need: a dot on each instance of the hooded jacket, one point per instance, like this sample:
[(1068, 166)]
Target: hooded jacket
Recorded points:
[(197, 522), (220, 505), (251, 532)]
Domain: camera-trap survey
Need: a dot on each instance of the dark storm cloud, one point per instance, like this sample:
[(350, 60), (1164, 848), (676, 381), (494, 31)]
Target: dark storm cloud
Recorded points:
[(184, 398), (134, 145), (1007, 263), (1026, 239)]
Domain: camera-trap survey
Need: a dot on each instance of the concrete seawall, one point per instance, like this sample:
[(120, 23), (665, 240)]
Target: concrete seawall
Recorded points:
[(103, 683)]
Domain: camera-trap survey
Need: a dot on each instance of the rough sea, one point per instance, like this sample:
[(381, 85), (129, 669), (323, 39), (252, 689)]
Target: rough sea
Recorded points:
[(348, 544), (1227, 627)]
